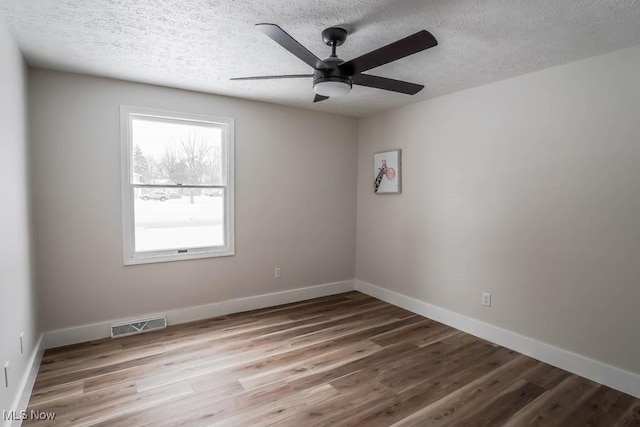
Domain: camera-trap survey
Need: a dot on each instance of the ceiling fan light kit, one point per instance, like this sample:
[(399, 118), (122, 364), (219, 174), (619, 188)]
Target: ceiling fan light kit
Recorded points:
[(332, 88), (333, 77)]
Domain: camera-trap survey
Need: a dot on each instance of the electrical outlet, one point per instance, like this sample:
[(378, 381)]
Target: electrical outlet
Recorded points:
[(486, 299), (22, 343), (6, 374), (278, 273)]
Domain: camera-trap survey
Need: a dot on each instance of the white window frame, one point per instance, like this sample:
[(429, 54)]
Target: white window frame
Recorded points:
[(131, 257)]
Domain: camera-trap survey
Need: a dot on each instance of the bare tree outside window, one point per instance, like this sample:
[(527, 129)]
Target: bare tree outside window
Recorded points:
[(189, 160)]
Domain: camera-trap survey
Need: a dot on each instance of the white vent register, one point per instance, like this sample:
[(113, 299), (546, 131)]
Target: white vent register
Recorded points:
[(137, 326)]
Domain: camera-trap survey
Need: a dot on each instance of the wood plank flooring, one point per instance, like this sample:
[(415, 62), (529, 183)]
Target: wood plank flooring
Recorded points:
[(344, 360)]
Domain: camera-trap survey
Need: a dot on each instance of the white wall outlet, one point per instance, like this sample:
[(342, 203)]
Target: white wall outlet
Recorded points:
[(22, 343), (277, 273), (6, 374), (486, 299)]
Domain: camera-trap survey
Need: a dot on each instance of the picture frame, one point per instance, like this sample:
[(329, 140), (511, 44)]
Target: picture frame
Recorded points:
[(387, 172)]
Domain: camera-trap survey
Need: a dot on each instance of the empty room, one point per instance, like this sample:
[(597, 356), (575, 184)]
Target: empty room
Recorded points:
[(314, 213)]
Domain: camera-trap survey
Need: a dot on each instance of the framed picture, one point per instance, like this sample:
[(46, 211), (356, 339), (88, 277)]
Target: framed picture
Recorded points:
[(387, 178)]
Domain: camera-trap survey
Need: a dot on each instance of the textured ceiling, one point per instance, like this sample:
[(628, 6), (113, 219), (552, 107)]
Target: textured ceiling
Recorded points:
[(199, 44)]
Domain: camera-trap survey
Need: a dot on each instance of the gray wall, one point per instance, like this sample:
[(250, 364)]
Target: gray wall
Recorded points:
[(527, 188), (295, 202), (17, 293)]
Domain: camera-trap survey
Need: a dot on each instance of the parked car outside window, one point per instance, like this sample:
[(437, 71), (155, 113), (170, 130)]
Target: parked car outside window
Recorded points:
[(160, 195), (216, 192)]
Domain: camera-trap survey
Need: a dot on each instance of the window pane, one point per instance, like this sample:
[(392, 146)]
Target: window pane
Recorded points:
[(169, 218), (170, 152)]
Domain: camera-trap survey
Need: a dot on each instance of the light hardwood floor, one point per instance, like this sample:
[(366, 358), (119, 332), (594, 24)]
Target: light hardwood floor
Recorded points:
[(347, 360)]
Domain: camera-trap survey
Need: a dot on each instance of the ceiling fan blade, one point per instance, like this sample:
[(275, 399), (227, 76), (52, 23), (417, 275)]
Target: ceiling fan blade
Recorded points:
[(386, 84), (392, 52), (279, 36), (319, 98), (286, 76)]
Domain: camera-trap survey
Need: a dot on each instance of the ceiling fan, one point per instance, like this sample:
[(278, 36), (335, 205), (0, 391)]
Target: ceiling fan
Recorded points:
[(334, 77)]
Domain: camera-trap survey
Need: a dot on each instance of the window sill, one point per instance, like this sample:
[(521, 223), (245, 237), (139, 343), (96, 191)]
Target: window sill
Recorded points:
[(151, 259)]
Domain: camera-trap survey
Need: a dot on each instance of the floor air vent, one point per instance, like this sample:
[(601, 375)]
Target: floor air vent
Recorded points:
[(137, 326)]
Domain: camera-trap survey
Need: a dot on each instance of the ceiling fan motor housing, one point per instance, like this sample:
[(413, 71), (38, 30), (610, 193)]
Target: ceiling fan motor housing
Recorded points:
[(332, 82)]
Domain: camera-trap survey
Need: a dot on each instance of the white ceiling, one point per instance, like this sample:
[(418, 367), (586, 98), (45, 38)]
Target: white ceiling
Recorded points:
[(200, 44)]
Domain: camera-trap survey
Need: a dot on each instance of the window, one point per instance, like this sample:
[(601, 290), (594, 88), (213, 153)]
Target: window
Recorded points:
[(177, 185)]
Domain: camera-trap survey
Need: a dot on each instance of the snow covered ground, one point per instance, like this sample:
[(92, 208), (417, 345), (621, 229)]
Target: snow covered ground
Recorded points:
[(178, 223)]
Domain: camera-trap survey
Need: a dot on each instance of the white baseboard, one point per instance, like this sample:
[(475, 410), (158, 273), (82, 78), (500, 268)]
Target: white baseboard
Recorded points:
[(28, 380), (99, 330), (619, 379)]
